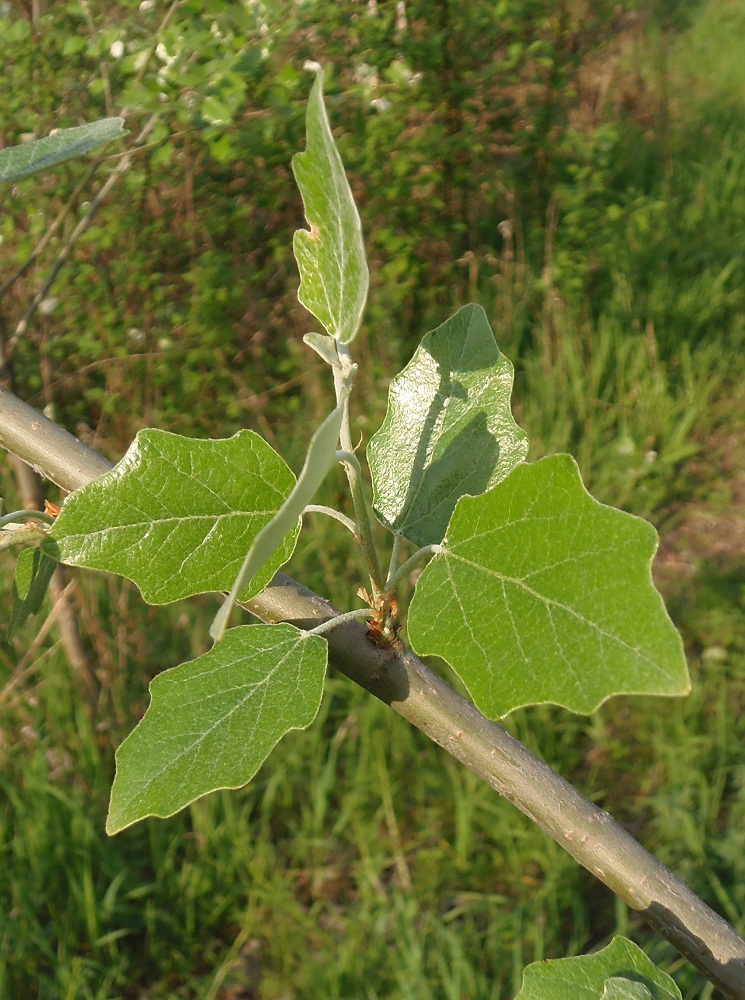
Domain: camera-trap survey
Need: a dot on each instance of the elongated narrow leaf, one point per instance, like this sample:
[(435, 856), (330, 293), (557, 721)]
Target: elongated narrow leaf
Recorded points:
[(33, 572), (449, 429), (331, 256), (40, 154), (319, 459), (177, 515), (542, 594), (619, 972), (212, 722)]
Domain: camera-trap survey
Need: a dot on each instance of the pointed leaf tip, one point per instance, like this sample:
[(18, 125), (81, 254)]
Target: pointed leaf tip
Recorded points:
[(543, 594), (212, 722), (331, 254), (448, 430)]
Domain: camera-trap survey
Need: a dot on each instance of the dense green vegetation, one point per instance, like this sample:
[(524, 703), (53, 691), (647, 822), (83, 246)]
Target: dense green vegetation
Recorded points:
[(583, 179)]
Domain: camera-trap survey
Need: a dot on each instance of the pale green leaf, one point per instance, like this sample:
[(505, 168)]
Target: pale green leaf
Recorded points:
[(324, 346), (625, 989), (40, 154), (34, 570), (331, 256), (587, 976), (177, 515), (320, 457), (212, 722), (449, 429), (542, 594)]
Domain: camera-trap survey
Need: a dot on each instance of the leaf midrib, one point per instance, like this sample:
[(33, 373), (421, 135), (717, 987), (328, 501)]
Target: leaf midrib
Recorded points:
[(553, 603), (173, 762)]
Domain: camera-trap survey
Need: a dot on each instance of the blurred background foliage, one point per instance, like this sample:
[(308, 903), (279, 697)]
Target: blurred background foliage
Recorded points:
[(579, 169)]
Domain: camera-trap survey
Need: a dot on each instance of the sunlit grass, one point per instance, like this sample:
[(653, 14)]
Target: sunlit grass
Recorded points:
[(707, 59), (361, 857), (635, 422)]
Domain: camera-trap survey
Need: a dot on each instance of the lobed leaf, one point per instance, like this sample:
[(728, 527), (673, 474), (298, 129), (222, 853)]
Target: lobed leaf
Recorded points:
[(177, 515), (40, 154), (331, 255), (448, 430), (213, 721), (620, 971), (542, 594)]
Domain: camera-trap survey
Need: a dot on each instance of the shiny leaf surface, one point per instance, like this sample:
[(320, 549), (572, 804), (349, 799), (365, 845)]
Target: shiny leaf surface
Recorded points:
[(619, 972), (449, 429), (213, 721), (542, 594), (178, 515)]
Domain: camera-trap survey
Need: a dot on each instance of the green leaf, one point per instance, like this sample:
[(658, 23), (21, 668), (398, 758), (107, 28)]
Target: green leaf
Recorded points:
[(622, 965), (448, 431), (542, 594), (177, 515), (324, 346), (34, 570), (320, 457), (212, 722), (331, 256), (40, 154), (624, 989)]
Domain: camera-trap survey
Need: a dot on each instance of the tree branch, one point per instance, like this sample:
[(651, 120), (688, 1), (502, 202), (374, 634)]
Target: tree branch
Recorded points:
[(45, 446), (403, 682)]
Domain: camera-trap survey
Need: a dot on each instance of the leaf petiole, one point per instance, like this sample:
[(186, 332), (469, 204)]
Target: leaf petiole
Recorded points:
[(25, 515), (331, 623), (393, 563), (344, 375), (316, 508), (395, 578)]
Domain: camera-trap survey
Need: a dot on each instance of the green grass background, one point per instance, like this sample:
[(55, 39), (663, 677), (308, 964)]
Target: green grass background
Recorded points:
[(362, 861)]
